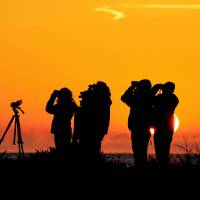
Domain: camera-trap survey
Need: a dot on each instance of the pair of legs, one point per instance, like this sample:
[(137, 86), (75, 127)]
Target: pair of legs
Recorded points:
[(140, 142), (162, 142), (62, 141)]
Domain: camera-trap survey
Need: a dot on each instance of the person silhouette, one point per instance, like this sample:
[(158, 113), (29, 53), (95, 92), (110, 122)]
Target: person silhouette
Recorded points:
[(92, 118), (164, 107), (139, 98), (63, 112)]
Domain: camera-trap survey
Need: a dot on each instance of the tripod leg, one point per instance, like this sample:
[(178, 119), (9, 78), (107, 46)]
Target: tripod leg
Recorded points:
[(22, 150), (20, 142), (15, 130), (7, 128)]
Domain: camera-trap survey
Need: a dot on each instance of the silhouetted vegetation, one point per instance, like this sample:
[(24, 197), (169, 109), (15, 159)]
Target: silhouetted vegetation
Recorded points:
[(180, 165)]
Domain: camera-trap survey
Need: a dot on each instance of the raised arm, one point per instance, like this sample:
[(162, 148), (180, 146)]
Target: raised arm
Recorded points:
[(127, 97), (50, 108), (156, 88)]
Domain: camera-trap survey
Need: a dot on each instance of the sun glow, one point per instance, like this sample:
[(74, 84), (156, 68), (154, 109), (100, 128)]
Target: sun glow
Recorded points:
[(152, 130), (176, 122)]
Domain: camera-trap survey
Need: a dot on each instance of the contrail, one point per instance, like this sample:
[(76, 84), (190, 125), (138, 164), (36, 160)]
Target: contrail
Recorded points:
[(117, 14), (163, 6), (171, 6)]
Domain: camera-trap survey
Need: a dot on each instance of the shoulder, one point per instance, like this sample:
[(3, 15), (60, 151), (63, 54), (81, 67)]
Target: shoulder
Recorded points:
[(175, 98)]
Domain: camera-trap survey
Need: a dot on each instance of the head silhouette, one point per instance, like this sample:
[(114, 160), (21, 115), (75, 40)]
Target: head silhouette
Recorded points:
[(168, 88), (145, 85), (103, 88), (65, 95)]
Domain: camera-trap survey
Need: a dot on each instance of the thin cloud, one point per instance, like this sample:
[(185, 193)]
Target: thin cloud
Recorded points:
[(171, 6), (120, 14), (163, 6), (119, 137), (116, 14)]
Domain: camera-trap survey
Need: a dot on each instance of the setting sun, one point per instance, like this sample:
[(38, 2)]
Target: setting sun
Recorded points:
[(152, 130), (176, 122)]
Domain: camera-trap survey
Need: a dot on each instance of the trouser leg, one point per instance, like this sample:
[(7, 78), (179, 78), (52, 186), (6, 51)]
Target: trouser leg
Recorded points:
[(62, 142), (162, 148), (140, 146)]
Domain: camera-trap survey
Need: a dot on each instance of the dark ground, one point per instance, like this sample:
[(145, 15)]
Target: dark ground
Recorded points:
[(47, 174)]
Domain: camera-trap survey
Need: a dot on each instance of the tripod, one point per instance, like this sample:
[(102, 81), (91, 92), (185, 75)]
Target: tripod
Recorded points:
[(17, 131)]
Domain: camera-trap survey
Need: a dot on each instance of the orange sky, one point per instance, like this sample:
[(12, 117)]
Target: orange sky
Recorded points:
[(48, 44)]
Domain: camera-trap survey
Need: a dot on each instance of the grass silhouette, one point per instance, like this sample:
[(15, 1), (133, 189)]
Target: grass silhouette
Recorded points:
[(105, 166), (104, 174)]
